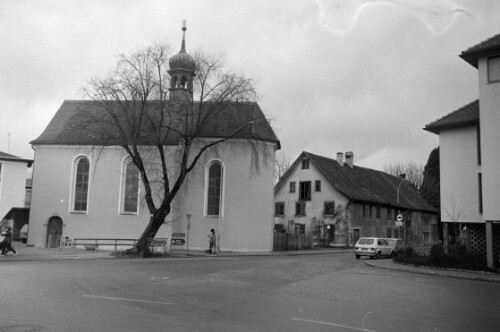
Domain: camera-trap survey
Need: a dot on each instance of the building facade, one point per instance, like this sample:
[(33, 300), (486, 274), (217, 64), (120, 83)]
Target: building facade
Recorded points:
[(13, 175), (338, 202), (469, 157), (83, 188)]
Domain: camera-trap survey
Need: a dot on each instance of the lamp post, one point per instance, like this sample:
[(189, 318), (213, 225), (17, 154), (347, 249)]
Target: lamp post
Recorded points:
[(403, 176)]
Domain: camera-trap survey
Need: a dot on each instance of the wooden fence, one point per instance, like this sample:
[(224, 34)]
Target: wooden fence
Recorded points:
[(287, 241)]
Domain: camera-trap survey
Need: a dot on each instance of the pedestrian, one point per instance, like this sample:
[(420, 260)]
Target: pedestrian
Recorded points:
[(7, 245), (212, 242)]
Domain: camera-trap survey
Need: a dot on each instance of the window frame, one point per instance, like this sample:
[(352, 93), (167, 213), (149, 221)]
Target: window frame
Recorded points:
[(281, 209), (221, 189), (326, 210), (73, 187), (305, 163), (292, 187), (305, 195), (300, 209), (488, 69), (317, 186), (127, 161)]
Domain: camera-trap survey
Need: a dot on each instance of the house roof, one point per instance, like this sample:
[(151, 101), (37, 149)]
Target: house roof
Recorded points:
[(487, 47), (465, 116), (365, 185), (65, 127), (8, 157)]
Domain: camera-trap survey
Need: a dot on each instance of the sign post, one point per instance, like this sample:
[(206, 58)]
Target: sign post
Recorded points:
[(188, 227), (401, 222)]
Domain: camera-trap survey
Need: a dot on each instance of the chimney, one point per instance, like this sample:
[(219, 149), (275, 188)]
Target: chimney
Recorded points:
[(340, 158), (349, 159)]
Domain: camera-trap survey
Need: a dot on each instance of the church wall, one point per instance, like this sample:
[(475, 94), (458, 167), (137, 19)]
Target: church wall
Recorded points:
[(246, 224)]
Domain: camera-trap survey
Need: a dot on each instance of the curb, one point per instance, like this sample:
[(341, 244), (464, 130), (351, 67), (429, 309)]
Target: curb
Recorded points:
[(436, 273)]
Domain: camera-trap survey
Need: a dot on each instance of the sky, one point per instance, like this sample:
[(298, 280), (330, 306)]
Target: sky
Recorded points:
[(333, 75)]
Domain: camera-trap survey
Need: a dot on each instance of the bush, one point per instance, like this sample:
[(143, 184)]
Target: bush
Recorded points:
[(437, 258)]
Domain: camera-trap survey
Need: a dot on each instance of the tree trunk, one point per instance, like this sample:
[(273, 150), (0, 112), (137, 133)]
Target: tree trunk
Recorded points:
[(141, 248)]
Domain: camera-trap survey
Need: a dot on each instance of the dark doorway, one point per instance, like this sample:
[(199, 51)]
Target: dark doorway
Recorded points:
[(54, 232), (355, 235)]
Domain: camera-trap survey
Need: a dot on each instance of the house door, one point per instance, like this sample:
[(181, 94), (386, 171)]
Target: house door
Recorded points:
[(356, 235), (54, 232)]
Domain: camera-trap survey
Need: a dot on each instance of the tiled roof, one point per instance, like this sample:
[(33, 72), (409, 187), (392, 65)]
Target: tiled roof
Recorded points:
[(490, 45), (465, 116), (366, 185), (8, 157), (66, 126)]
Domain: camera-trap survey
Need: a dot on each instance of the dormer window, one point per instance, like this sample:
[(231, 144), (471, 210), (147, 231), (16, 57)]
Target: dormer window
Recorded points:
[(494, 69), (305, 163)]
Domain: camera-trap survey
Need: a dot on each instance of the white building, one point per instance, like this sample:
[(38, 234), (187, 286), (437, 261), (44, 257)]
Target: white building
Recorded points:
[(470, 157), (80, 191), (338, 202), (13, 175)]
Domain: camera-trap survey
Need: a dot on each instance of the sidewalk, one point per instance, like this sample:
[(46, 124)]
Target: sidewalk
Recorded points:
[(25, 253), (446, 273)]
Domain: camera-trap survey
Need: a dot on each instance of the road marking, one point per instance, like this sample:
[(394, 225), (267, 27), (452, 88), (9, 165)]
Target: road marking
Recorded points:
[(332, 324), (122, 299)]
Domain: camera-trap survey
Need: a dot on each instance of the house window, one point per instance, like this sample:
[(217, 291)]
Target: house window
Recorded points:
[(480, 191), (292, 186), (329, 209), (378, 212), (305, 163), (214, 194), (305, 190), (81, 184), (279, 209), (389, 214), (364, 210), (388, 232), (300, 209), (370, 213), (494, 69), (317, 185), (478, 143), (130, 185)]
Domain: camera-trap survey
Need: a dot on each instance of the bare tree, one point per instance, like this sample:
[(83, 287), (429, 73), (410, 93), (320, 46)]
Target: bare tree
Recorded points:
[(413, 171), (456, 216), (281, 166), (134, 109)]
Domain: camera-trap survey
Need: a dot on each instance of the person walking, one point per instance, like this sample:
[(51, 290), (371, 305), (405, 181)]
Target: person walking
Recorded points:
[(212, 242), (7, 245)]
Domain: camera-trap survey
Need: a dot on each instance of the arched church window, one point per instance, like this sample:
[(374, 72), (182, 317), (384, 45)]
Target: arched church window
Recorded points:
[(130, 187), (214, 190), (174, 81), (81, 184)]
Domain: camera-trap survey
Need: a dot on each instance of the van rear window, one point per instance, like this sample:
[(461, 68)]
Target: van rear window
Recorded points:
[(365, 241)]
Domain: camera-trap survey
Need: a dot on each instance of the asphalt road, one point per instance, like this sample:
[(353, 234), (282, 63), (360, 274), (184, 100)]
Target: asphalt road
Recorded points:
[(333, 292)]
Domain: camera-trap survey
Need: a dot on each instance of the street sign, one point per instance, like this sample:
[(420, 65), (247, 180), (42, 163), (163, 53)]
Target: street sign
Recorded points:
[(400, 217), (399, 223), (178, 242), (178, 234)]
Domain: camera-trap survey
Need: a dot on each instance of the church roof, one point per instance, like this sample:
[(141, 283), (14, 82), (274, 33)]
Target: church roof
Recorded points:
[(8, 157), (66, 127), (487, 47), (465, 116), (365, 185)]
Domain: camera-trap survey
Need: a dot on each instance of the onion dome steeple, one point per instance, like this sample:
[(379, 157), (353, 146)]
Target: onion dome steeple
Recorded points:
[(182, 71)]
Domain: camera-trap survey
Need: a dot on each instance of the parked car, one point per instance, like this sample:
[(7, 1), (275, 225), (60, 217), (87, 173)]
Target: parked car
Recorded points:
[(23, 233), (396, 245), (372, 247)]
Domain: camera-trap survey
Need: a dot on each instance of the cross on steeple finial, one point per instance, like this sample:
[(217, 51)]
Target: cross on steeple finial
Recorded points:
[(183, 47)]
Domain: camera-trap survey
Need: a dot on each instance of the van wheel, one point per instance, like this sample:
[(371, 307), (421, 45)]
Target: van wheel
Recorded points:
[(378, 255), (357, 256)]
